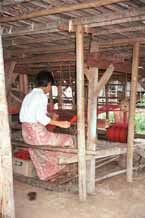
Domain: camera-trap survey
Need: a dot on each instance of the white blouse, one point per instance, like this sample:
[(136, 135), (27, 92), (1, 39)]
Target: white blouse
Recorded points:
[(34, 108)]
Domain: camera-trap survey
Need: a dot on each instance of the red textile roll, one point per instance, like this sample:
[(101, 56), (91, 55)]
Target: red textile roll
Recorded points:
[(123, 135), (110, 133), (117, 133)]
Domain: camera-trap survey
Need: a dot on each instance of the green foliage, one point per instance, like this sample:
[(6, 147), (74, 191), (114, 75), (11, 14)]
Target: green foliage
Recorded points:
[(142, 102), (111, 116), (140, 123)]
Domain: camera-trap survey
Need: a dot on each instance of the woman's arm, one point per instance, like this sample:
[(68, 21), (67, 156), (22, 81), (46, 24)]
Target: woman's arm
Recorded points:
[(62, 124)]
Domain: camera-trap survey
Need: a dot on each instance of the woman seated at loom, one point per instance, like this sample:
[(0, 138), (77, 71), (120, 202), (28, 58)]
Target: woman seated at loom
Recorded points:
[(34, 118)]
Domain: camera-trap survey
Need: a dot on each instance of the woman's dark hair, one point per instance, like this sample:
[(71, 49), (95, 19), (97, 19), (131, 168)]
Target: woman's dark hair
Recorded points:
[(43, 78)]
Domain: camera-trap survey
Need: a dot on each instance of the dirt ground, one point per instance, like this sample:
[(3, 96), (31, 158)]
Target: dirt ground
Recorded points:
[(114, 198)]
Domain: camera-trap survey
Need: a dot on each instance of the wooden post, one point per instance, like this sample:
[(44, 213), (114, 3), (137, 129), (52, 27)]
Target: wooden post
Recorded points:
[(60, 101), (21, 81), (80, 112), (104, 79), (6, 178), (124, 84), (25, 83), (134, 79), (9, 75), (92, 128), (51, 105), (106, 102)]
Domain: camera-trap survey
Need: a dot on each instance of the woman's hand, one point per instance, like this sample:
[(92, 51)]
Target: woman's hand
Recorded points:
[(64, 124)]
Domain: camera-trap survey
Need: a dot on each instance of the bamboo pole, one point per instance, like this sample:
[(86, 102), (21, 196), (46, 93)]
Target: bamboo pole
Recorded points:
[(134, 79), (80, 112), (6, 178), (92, 127)]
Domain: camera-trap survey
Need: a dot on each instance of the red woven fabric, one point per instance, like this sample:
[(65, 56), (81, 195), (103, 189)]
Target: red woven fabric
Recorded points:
[(22, 154)]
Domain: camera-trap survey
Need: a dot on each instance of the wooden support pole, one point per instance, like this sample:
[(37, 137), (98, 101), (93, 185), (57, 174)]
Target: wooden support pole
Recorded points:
[(25, 83), (9, 75), (124, 84), (51, 105), (21, 81), (92, 119), (80, 112), (135, 63), (104, 79), (6, 178), (106, 102), (60, 101)]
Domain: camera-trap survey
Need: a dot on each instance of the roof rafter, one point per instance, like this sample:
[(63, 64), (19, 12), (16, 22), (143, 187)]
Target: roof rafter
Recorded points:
[(13, 2), (62, 9), (112, 18), (93, 21)]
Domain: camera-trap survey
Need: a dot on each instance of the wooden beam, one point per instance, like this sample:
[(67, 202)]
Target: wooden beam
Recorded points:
[(51, 104), (60, 100), (9, 76), (92, 21), (25, 81), (120, 30), (62, 9), (47, 50), (131, 126), (45, 58), (106, 99), (100, 153), (121, 42), (6, 171), (21, 41), (104, 79), (21, 83), (91, 61), (92, 127), (104, 63), (111, 18), (13, 2), (107, 19), (80, 112), (109, 175), (34, 28)]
